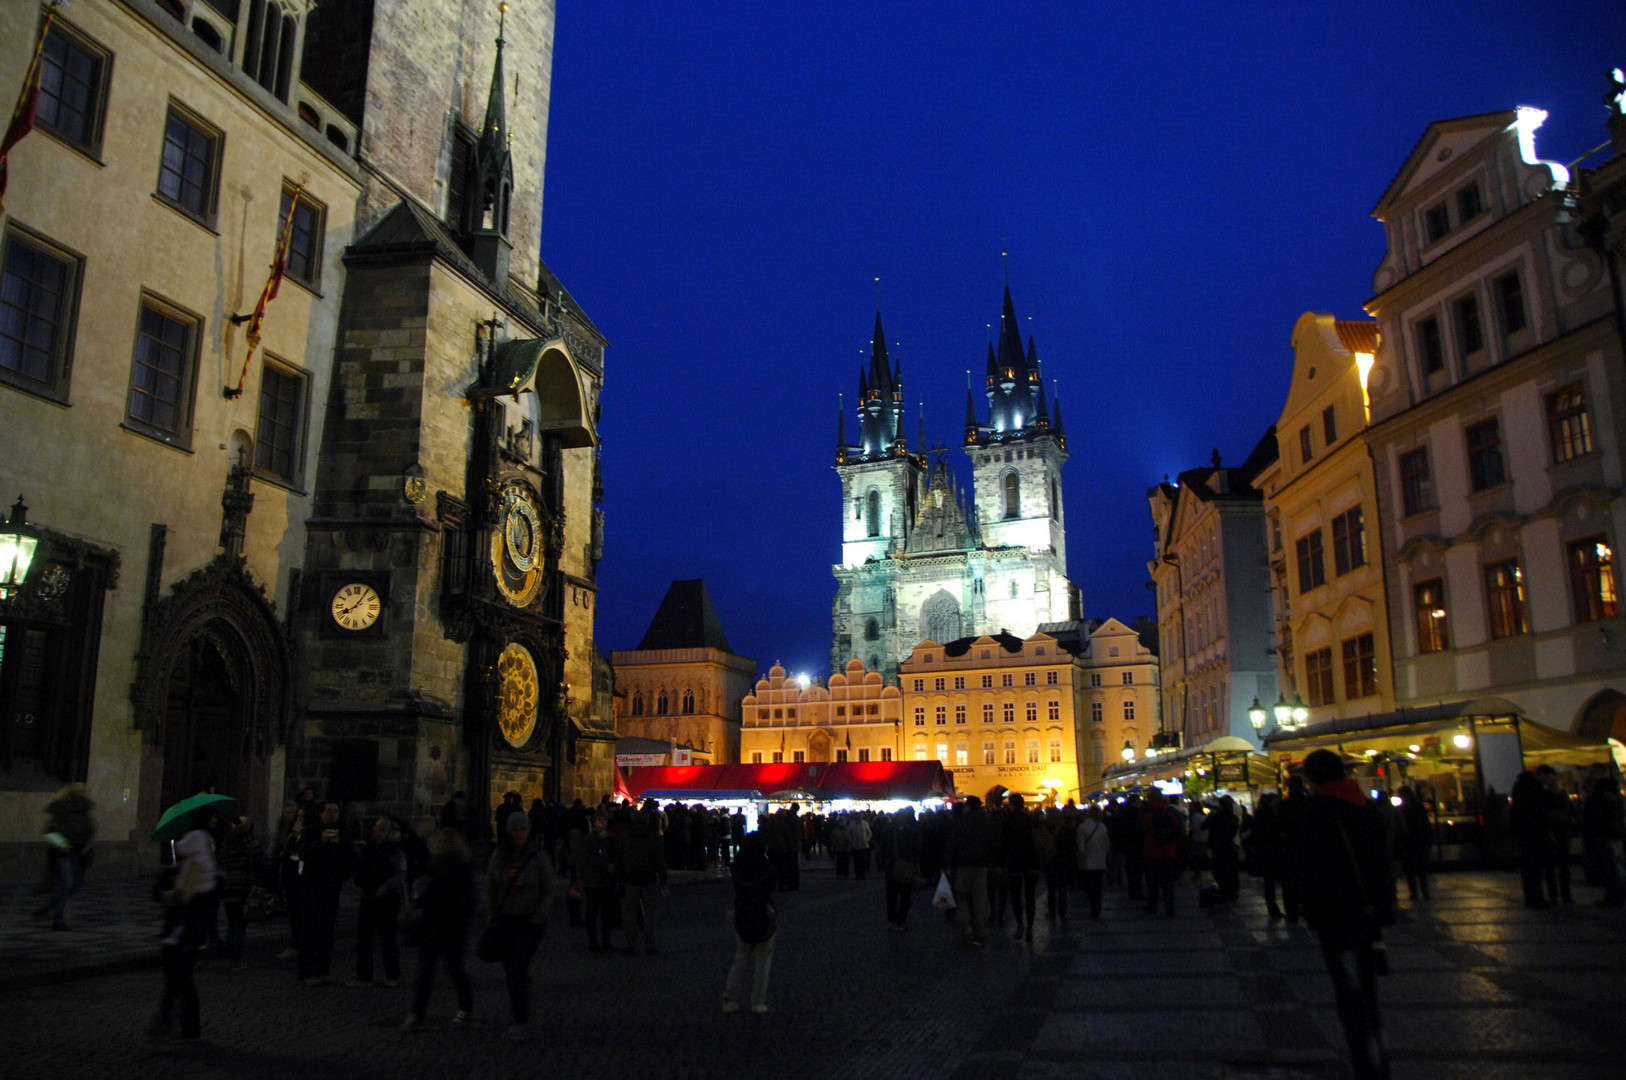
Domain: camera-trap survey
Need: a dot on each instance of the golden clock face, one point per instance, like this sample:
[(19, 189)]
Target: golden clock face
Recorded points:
[(516, 547), (356, 606), (516, 695)]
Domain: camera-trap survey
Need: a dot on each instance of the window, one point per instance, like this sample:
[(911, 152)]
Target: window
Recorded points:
[(942, 714), (1055, 751), (1312, 571), (1360, 667), (1592, 579), (1568, 423), (277, 450), (920, 716), (1008, 711), (886, 753), (73, 88), (1007, 680), (1051, 678), (1010, 753), (1053, 709), (1032, 712), (1095, 678), (790, 712), (268, 53), (939, 683), (841, 754), (1436, 222), (1030, 678), (161, 379), (872, 632), (920, 685), (987, 682), (1129, 678), (638, 704), (1416, 483), (304, 263), (874, 710), (942, 752), (987, 753), (872, 514), (797, 755), (1318, 676), (762, 714), (1485, 455), (1348, 541), (1469, 204), (663, 706), (1504, 595), (959, 682), (1433, 623), (1430, 348), (1129, 708), (1329, 424), (841, 710), (189, 166), (1033, 751), (1510, 301), (1306, 446), (1465, 310), (962, 754), (1013, 495), (1112, 650), (1096, 711), (1016, 590), (38, 286), (863, 753), (756, 757), (959, 714), (688, 703), (778, 757)]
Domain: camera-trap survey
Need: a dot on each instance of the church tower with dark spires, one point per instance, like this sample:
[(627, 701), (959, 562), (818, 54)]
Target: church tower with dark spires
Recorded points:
[(490, 185), (919, 560)]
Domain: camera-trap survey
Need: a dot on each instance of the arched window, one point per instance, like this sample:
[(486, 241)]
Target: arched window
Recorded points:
[(874, 662), (940, 618), (1055, 503), (661, 705), (1013, 495), (688, 702), (872, 513), (268, 49), (638, 703), (872, 630)]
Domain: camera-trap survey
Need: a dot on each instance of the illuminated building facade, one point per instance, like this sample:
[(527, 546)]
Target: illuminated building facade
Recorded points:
[(1321, 518), (1497, 403), (920, 558), (683, 683), (853, 717)]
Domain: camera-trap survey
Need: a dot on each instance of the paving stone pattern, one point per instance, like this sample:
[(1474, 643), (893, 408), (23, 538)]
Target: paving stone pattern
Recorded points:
[(1482, 988)]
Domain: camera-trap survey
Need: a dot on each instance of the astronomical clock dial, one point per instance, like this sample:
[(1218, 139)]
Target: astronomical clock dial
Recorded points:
[(516, 695), (516, 547), (356, 606)]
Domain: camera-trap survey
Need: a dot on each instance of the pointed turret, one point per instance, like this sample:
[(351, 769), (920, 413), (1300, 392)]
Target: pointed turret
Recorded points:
[(880, 371), (491, 186), (1011, 362), (841, 431)]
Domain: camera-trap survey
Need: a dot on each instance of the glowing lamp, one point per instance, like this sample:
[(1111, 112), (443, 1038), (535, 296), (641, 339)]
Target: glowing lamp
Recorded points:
[(1256, 714), (18, 540), (1128, 751), (1462, 742)]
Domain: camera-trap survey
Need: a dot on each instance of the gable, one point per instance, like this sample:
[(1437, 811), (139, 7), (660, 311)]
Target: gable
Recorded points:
[(1444, 145)]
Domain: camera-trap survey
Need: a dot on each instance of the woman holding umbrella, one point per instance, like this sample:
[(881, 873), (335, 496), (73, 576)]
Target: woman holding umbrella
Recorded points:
[(189, 910)]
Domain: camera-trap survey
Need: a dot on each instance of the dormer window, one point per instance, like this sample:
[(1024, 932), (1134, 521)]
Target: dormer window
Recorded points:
[(1437, 222), (1430, 347), (1470, 337), (1470, 204), (1510, 298)]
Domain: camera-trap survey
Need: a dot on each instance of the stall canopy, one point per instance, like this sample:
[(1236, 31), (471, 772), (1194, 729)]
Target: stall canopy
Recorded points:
[(1403, 723), (860, 780)]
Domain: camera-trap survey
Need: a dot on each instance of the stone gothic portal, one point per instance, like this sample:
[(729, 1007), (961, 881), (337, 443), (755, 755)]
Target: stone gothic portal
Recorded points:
[(940, 618), (203, 726)]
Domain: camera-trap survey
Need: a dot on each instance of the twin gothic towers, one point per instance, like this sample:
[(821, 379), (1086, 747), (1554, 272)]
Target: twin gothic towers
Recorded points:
[(919, 562)]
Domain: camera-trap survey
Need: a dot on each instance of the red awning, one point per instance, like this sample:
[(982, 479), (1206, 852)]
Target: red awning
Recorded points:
[(912, 780)]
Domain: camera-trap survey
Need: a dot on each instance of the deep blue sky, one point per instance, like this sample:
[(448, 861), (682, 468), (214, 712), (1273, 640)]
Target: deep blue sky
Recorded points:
[(1175, 184)]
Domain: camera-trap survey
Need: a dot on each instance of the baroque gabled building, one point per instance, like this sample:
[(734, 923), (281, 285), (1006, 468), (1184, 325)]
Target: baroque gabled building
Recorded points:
[(920, 557)]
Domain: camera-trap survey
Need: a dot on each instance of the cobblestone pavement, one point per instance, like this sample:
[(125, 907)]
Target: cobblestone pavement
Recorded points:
[(1482, 988)]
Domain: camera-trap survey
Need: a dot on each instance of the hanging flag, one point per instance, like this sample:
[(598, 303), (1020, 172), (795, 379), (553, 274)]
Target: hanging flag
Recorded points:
[(22, 117), (278, 264)]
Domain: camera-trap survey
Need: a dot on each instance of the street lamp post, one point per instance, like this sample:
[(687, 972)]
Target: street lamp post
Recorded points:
[(18, 541), (1128, 750)]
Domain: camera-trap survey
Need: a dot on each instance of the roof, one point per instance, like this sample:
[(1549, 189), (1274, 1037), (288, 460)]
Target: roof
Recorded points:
[(686, 620), (913, 780), (1004, 639), (1357, 336)]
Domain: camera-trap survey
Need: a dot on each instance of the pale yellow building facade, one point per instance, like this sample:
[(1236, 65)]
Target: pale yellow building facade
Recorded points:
[(856, 716)]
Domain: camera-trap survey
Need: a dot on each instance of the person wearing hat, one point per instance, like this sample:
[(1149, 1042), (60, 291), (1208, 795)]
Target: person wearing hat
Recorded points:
[(1346, 890), (519, 886)]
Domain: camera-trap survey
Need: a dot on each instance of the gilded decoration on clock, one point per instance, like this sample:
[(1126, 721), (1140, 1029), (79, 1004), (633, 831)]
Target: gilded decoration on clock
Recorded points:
[(516, 545), (516, 695)]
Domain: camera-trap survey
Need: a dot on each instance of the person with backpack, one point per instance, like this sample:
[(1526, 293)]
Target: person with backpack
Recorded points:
[(1343, 867), (1164, 833), (756, 925)]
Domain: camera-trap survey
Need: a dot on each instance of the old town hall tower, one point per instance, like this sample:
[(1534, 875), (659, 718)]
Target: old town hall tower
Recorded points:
[(919, 559)]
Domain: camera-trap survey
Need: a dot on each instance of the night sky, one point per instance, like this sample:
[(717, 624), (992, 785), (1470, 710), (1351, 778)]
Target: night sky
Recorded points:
[(1175, 184)]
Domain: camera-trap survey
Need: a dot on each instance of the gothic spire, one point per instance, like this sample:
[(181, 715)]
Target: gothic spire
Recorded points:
[(880, 370), (494, 132), (1010, 339), (490, 183)]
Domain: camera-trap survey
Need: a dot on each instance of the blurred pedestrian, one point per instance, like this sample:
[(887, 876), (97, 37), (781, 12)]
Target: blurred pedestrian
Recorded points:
[(69, 829), (597, 860), (519, 886), (1164, 832), (1417, 842), (901, 858), (1560, 831), (1603, 823), (1223, 857), (442, 906), (285, 856), (1092, 843), (189, 911), (325, 862), (1527, 817), (381, 875), (242, 865), (756, 925), (970, 853), (643, 871)]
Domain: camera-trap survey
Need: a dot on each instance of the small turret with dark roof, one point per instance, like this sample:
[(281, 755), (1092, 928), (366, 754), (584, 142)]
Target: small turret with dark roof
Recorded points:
[(491, 186), (1017, 407), (881, 432)]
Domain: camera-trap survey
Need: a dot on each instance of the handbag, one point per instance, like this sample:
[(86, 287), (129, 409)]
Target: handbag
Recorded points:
[(943, 897)]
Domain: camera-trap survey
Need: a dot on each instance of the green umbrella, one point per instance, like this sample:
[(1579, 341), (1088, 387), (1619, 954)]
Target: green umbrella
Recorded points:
[(175, 820)]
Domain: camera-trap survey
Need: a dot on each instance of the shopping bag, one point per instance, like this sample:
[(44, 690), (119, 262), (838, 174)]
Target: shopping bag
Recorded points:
[(943, 898)]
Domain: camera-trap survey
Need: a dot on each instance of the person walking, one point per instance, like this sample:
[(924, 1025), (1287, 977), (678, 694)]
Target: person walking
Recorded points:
[(1093, 844), (285, 856), (1603, 823), (189, 911), (1223, 857), (1417, 842), (1267, 848), (1561, 830), (1164, 832), (519, 887), (1342, 864), (970, 853), (902, 858), (643, 871), (242, 865), (325, 866), (69, 829), (1020, 850), (597, 859), (756, 925), (1527, 817), (381, 874), (443, 905)]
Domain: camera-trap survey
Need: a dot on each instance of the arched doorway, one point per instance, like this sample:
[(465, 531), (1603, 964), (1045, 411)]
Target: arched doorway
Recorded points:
[(818, 746), (1604, 717), (204, 725)]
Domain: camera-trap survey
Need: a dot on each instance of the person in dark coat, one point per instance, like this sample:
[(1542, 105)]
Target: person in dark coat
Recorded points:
[(1603, 823), (381, 875), (1527, 818), (1020, 852), (900, 862), (756, 924), (519, 887), (1223, 857), (643, 871), (1561, 829), (444, 903), (1343, 867), (326, 862), (1164, 833), (69, 829), (1290, 816), (971, 851), (242, 865), (1267, 849), (1417, 842)]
